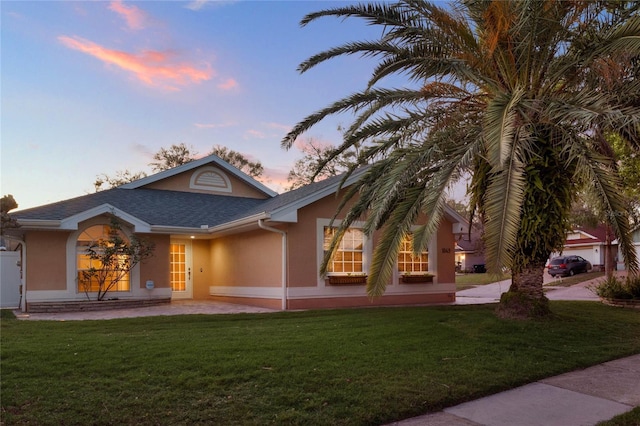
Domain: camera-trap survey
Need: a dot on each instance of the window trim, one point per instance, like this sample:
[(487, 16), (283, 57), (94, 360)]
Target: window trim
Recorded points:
[(72, 262), (367, 248), (427, 251), (124, 282)]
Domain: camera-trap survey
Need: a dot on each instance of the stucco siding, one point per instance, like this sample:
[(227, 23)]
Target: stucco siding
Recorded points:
[(251, 259), (303, 241), (156, 268), (46, 260), (446, 254)]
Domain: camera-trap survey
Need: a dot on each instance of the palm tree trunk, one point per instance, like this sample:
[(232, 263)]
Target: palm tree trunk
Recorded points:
[(525, 298)]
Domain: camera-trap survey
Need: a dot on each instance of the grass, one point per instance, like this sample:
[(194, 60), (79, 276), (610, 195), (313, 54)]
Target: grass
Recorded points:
[(576, 279), (471, 280), (338, 367), (466, 281), (631, 418)]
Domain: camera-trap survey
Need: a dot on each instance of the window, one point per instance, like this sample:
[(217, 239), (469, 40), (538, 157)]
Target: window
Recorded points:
[(408, 262), (348, 257), (210, 179), (84, 262), (177, 267)]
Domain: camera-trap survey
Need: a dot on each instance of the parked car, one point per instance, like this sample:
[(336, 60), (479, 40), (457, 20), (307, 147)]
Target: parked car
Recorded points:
[(568, 265)]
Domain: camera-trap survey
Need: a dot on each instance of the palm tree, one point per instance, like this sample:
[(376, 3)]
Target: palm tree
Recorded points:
[(518, 95)]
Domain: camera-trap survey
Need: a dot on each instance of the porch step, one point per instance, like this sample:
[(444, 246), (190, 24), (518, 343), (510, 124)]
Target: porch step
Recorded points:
[(93, 305)]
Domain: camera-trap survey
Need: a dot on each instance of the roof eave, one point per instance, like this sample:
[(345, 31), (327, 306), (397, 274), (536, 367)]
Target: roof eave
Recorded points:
[(38, 224)]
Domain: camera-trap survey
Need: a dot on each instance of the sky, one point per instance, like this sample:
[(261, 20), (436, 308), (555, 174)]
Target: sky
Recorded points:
[(97, 87)]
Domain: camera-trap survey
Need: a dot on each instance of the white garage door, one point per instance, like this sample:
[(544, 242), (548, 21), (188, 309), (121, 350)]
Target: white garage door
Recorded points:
[(586, 253)]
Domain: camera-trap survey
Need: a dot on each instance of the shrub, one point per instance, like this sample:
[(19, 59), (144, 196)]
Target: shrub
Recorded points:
[(617, 288)]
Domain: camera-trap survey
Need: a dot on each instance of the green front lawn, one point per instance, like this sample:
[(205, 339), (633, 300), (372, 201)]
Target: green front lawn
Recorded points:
[(631, 418), (576, 279), (357, 367), (465, 281)]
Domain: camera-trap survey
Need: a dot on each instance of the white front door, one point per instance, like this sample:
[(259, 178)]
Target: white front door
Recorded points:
[(180, 269)]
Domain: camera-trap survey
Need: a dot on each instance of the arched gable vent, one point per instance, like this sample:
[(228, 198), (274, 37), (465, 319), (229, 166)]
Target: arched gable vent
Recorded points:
[(210, 179)]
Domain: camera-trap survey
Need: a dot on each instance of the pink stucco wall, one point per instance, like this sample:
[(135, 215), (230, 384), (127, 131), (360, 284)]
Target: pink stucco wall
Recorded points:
[(46, 260), (157, 267), (248, 259)]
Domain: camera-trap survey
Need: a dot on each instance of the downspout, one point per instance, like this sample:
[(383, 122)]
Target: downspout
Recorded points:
[(23, 272), (23, 276), (284, 259)]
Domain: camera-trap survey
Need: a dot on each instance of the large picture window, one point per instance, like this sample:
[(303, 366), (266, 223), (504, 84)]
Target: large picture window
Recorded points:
[(84, 263), (408, 262), (348, 257)]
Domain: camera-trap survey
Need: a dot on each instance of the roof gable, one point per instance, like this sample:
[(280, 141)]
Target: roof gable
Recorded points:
[(209, 174)]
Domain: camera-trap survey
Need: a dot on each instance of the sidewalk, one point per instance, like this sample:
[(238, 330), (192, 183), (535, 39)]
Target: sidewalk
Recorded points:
[(579, 398)]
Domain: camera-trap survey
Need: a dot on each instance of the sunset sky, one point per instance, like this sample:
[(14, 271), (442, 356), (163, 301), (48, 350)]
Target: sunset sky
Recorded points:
[(92, 87)]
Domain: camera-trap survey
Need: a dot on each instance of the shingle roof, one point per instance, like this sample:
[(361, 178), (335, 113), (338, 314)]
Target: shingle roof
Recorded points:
[(153, 206), (174, 208)]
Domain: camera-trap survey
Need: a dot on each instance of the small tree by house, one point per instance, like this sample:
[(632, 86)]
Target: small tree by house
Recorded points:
[(111, 260), (121, 177), (7, 203)]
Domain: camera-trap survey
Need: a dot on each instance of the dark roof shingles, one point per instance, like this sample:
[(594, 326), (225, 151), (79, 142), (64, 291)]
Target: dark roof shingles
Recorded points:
[(153, 206)]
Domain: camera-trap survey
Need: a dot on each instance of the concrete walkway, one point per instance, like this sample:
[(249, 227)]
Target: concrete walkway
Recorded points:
[(176, 307), (580, 398)]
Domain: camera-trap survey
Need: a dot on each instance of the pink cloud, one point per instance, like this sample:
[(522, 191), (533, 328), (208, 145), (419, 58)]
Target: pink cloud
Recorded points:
[(279, 126), (135, 18), (254, 134), (275, 179), (214, 125), (228, 84), (154, 68)]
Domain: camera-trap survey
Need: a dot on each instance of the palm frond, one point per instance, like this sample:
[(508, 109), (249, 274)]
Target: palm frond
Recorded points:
[(501, 122), (503, 201)]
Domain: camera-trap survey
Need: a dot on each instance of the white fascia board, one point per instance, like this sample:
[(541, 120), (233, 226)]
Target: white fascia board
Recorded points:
[(460, 225), (287, 215), (179, 230), (207, 230), (195, 164), (585, 244), (246, 178), (240, 223), (586, 234), (38, 224), (71, 222)]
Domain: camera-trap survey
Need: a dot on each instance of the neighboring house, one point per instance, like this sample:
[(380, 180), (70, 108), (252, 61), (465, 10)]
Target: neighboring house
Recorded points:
[(221, 235), (589, 243), (470, 252)]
